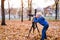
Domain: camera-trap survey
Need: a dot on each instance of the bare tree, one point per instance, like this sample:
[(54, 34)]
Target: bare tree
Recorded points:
[(9, 9), (57, 9), (22, 11), (3, 13), (19, 14), (29, 8)]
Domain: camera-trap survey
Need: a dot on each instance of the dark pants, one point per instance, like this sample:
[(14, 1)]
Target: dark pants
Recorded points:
[(44, 32)]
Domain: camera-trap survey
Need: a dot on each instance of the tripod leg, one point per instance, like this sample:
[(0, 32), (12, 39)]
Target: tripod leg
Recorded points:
[(34, 27), (29, 31), (33, 30), (38, 30)]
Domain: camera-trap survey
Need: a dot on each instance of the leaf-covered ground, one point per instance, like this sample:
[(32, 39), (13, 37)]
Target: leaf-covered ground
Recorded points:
[(17, 30)]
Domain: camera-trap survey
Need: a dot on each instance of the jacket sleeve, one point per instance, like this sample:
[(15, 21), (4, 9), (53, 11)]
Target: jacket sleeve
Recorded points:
[(35, 19), (43, 18)]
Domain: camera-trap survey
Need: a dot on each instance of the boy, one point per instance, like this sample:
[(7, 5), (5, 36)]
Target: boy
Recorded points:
[(40, 19)]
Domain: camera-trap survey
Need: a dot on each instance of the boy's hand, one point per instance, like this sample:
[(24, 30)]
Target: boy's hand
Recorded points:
[(37, 16)]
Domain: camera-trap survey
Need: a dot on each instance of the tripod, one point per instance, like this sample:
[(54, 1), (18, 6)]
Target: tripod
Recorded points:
[(34, 26)]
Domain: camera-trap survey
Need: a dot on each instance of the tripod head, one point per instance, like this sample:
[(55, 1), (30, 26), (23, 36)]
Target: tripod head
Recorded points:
[(30, 15), (33, 14), (34, 25)]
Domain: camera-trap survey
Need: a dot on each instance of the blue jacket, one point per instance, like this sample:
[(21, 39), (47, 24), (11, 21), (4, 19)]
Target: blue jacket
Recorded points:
[(40, 20)]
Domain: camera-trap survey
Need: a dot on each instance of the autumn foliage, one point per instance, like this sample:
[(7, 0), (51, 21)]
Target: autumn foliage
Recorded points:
[(17, 30)]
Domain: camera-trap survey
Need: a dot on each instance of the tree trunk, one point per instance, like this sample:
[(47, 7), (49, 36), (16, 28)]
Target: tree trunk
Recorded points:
[(22, 11), (29, 14), (19, 14), (56, 11), (29, 8), (2, 13), (9, 9), (9, 14)]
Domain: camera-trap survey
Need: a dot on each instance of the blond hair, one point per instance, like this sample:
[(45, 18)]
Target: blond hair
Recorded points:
[(39, 13)]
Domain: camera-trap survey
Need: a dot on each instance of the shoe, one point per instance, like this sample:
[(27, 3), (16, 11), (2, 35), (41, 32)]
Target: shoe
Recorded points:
[(40, 39), (45, 37)]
